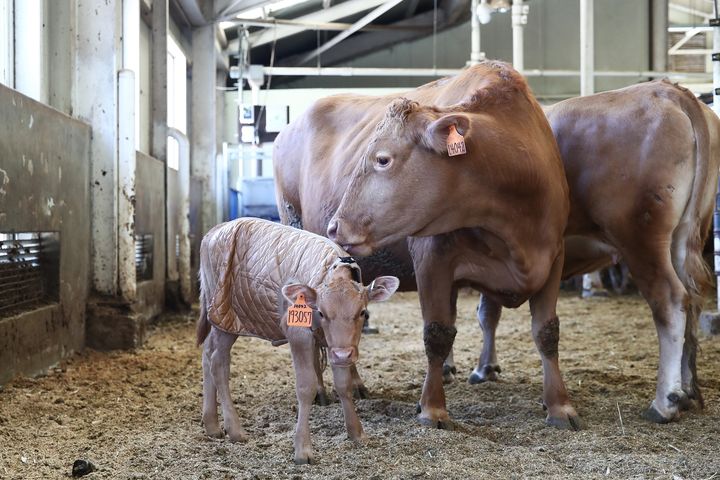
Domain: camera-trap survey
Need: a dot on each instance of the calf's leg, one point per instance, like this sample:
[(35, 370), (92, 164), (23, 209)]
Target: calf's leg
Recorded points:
[(209, 409), (321, 396), (546, 333), (303, 352), (488, 315), (220, 368), (344, 384)]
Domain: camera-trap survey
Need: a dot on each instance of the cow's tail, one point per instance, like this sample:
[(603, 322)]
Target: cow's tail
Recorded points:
[(694, 272)]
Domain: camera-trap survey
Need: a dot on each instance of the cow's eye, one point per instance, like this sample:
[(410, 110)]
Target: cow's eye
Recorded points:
[(321, 314), (383, 161)]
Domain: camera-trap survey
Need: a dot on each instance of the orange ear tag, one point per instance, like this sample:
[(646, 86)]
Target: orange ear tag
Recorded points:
[(455, 143), (300, 314)]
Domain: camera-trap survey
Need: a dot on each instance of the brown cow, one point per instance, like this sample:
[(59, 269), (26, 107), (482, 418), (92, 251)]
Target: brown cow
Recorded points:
[(642, 165), (492, 218), (251, 271)]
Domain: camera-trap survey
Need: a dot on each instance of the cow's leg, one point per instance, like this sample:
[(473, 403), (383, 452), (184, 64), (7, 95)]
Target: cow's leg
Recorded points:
[(321, 396), (488, 315), (435, 290), (343, 377), (449, 369), (546, 333), (303, 353), (220, 368), (656, 279), (209, 408)]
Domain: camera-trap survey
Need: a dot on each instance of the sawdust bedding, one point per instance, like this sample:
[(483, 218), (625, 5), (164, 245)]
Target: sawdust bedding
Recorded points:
[(137, 414)]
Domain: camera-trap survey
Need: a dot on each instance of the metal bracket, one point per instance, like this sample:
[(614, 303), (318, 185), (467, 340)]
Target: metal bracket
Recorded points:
[(716, 57), (717, 91), (714, 22)]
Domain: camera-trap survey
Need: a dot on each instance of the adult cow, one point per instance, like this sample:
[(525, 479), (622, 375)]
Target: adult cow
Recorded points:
[(642, 166), (492, 217)]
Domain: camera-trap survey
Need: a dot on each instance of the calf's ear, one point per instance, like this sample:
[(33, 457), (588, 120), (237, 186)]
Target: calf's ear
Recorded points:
[(382, 288), (436, 133), (292, 291)]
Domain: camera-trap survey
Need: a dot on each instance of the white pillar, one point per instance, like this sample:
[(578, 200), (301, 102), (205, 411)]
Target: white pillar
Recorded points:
[(203, 136), (587, 48), (519, 20), (127, 281), (97, 61), (31, 73), (183, 212)]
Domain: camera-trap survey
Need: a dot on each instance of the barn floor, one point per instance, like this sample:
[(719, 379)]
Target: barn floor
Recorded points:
[(137, 414)]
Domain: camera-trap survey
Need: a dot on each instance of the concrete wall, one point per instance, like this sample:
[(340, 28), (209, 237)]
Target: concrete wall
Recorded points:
[(44, 186), (552, 38)]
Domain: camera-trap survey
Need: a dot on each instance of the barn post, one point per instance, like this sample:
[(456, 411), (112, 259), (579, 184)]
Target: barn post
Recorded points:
[(127, 280)]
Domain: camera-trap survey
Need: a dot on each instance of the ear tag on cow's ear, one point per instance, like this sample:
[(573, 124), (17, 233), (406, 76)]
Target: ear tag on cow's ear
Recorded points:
[(299, 314), (455, 143)]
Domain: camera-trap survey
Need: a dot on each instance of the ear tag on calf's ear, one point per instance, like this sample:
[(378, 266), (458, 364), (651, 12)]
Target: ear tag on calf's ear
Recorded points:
[(455, 143), (299, 314)]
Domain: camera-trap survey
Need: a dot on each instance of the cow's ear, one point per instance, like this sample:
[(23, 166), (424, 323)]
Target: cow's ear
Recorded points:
[(292, 291), (436, 133), (382, 288)]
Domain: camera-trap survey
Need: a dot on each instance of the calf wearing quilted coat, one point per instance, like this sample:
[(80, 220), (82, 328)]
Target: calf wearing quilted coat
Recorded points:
[(251, 272)]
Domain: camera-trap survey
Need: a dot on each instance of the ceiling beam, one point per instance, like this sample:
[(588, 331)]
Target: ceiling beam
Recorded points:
[(336, 12), (228, 9), (328, 26), (356, 26)]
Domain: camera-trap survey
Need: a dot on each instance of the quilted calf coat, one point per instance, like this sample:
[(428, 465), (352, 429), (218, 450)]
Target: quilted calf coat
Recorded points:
[(245, 263)]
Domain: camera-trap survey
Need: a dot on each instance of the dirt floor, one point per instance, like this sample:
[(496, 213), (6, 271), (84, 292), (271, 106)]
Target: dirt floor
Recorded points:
[(137, 414)]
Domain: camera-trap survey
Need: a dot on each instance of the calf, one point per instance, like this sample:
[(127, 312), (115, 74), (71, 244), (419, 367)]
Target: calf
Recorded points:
[(245, 265)]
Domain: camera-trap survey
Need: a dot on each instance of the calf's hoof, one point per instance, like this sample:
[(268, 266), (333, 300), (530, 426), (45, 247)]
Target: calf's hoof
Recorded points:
[(361, 392), (488, 373), (570, 422), (322, 399), (238, 437), (675, 402), (449, 372), (304, 460)]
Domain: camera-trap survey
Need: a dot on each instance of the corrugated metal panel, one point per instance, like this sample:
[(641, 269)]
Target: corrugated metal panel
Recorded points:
[(29, 270)]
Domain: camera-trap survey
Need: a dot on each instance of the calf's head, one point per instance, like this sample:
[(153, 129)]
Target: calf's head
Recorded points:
[(400, 186), (340, 309)]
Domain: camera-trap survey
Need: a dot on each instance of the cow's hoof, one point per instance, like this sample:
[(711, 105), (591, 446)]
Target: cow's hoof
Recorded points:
[(322, 399), (488, 373), (368, 330), (571, 422), (361, 392), (692, 400), (446, 424), (449, 372)]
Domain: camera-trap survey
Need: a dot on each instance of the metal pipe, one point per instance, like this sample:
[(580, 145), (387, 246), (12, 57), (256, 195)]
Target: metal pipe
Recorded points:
[(476, 55), (587, 48), (716, 107), (442, 72), (183, 215), (519, 20), (127, 281)]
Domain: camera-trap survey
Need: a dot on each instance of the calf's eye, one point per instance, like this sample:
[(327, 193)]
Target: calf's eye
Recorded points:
[(382, 161)]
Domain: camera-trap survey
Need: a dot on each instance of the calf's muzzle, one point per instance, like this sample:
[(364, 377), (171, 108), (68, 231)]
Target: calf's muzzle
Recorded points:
[(343, 357)]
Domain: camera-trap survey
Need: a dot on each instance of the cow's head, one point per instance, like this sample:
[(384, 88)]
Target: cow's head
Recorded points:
[(340, 309), (401, 184)]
